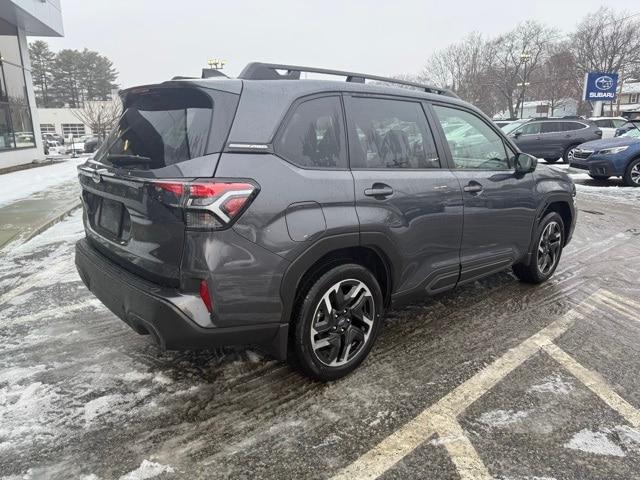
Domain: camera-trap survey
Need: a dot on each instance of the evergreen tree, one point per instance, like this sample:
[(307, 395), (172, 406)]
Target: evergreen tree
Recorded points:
[(42, 59)]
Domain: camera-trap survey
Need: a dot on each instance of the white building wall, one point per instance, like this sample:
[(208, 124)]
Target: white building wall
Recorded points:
[(58, 116)]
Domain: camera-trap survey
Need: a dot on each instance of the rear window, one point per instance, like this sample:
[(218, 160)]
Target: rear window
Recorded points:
[(163, 127), (571, 126)]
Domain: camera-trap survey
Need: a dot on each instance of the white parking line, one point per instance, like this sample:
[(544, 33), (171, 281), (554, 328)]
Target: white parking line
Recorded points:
[(463, 454), (444, 413), (595, 383)]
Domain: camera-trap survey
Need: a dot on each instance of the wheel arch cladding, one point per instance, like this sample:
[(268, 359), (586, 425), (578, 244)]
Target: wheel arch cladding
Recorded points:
[(295, 286), (561, 208)]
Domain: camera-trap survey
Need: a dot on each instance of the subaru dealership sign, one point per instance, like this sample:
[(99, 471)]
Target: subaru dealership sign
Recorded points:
[(600, 87)]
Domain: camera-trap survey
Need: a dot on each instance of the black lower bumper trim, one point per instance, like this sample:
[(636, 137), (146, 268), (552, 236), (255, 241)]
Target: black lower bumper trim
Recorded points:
[(148, 309)]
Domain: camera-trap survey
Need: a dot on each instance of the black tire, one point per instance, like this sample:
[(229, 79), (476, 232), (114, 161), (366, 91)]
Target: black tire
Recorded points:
[(632, 174), (336, 331), (600, 177), (551, 160), (533, 272), (565, 154)]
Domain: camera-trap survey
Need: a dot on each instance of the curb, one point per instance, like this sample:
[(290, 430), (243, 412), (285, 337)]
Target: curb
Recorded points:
[(48, 223)]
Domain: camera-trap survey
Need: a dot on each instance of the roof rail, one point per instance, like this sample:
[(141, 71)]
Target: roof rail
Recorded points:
[(269, 71)]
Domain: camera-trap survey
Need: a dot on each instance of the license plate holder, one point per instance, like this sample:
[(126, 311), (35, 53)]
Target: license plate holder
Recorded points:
[(110, 217)]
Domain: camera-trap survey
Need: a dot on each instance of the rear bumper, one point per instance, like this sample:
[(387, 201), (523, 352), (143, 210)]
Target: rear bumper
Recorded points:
[(174, 319)]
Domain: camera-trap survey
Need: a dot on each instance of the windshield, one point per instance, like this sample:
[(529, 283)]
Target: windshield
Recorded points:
[(166, 126), (512, 126), (634, 133)]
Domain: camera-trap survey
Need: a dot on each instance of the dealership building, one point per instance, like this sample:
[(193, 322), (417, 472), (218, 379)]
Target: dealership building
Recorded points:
[(20, 139)]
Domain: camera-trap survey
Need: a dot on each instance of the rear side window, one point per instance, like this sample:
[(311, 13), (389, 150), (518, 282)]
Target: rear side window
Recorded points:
[(390, 134), (164, 127), (571, 126), (551, 127), (313, 136)]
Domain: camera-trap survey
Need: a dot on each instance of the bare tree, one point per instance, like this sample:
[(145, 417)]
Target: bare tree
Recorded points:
[(515, 57), (463, 68), (100, 116), (557, 79)]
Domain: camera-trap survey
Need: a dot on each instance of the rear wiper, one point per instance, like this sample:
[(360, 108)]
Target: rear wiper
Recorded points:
[(121, 159)]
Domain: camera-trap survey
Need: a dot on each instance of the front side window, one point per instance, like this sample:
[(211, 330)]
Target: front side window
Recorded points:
[(313, 136), (530, 129), (604, 123), (391, 134), (474, 145)]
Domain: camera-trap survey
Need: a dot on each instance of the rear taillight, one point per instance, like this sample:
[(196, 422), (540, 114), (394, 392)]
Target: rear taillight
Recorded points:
[(208, 205)]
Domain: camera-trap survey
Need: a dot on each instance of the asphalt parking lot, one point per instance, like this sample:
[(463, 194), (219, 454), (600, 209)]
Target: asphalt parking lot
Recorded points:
[(494, 380)]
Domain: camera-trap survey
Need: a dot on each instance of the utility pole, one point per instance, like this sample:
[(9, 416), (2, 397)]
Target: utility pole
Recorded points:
[(524, 58)]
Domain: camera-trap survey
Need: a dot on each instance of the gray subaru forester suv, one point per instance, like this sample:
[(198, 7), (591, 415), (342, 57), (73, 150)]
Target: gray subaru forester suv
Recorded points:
[(289, 214)]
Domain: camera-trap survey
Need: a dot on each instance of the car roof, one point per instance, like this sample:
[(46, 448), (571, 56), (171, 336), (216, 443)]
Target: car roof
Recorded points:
[(264, 103)]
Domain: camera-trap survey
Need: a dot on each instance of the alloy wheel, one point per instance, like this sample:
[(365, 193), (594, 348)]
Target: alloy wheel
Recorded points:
[(342, 322), (549, 247), (635, 174), (571, 155)]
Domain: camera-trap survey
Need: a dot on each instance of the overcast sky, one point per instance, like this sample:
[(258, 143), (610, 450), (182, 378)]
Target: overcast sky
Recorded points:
[(153, 40)]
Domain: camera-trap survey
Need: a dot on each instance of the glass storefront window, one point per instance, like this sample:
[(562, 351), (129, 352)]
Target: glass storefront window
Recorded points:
[(16, 126)]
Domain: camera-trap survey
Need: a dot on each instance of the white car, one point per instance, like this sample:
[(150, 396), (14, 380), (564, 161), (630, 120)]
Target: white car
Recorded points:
[(608, 125)]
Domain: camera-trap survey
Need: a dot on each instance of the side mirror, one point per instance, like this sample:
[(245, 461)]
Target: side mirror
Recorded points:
[(517, 134), (525, 163)]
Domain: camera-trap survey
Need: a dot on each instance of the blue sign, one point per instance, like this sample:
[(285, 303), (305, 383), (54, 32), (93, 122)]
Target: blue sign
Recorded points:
[(600, 87)]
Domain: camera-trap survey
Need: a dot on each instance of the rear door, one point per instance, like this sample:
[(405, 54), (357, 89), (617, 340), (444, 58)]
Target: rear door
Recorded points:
[(499, 205), (403, 193), (552, 139), (134, 188)]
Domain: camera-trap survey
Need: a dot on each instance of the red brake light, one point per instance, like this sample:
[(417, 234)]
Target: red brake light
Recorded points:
[(172, 187), (208, 205), (204, 295)]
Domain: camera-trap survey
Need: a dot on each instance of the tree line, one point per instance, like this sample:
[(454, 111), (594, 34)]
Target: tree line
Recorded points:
[(536, 62), (70, 77)]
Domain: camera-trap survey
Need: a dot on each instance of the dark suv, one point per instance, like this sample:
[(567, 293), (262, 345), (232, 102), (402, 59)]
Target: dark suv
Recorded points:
[(552, 138), (289, 214)]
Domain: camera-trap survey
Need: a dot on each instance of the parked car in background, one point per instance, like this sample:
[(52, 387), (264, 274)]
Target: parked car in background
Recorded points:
[(310, 208), (608, 125), (629, 125), (611, 157), (91, 143), (552, 138), (503, 123), (74, 146)]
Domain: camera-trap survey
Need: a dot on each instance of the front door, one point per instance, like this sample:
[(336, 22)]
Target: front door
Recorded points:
[(499, 205), (528, 138), (402, 192)]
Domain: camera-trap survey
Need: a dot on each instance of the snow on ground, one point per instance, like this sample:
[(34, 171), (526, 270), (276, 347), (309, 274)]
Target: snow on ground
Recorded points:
[(15, 186)]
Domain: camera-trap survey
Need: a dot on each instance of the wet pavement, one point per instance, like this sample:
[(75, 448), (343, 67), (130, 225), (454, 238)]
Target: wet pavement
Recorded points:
[(497, 379)]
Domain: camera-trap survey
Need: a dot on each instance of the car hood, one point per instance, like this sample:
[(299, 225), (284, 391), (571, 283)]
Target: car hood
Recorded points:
[(609, 143)]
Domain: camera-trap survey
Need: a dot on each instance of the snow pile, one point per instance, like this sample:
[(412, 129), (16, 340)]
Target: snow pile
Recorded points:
[(147, 470), (554, 385), (24, 183), (594, 442), (501, 418)]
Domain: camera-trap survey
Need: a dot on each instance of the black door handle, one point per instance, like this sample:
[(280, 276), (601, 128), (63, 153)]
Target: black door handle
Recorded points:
[(379, 190), (473, 187)]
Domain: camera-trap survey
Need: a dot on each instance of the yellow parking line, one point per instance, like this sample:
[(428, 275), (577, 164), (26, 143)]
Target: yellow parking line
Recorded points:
[(403, 441), (463, 454), (594, 382)]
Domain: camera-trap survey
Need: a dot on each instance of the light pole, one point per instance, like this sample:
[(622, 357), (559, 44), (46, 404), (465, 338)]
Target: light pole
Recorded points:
[(524, 58)]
